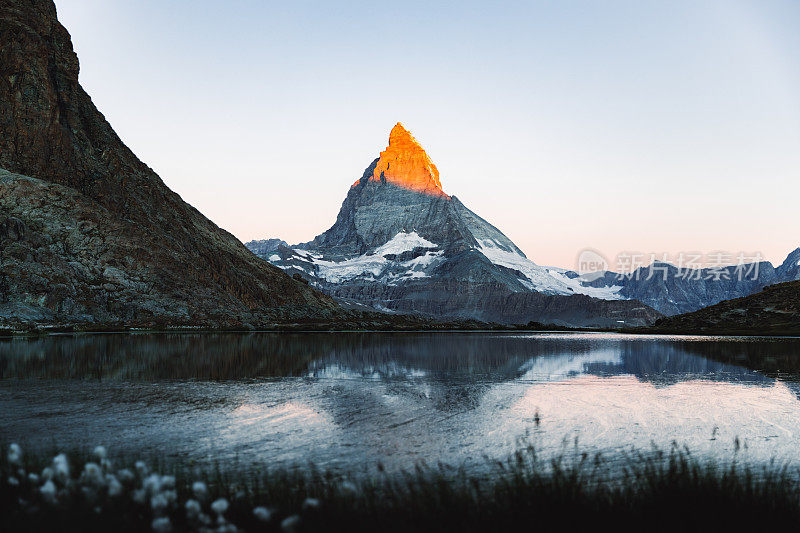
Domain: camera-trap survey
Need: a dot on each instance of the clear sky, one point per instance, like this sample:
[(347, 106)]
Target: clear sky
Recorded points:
[(617, 125)]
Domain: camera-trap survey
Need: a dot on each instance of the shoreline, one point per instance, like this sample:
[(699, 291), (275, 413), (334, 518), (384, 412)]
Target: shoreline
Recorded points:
[(66, 330)]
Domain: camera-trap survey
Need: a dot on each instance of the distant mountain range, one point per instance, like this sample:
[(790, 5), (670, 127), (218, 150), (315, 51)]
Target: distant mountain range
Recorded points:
[(673, 290), (401, 244)]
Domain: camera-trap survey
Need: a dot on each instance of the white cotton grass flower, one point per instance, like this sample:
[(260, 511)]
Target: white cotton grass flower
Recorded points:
[(48, 473), (168, 482), (115, 488), (311, 503), (262, 513), (290, 523), (139, 495), (171, 496), (220, 506), (200, 490), (152, 484), (126, 475), (100, 453), (61, 467), (92, 474), (193, 509), (159, 503), (348, 488), (162, 525), (14, 482), (33, 479), (14, 454), (141, 468), (48, 491)]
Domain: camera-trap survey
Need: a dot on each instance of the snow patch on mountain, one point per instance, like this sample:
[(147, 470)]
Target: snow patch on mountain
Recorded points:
[(306, 254), (372, 265), (542, 279), (537, 277), (404, 242), (361, 266), (603, 293)]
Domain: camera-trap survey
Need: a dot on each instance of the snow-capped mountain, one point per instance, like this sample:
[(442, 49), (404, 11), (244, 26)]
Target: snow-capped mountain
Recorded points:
[(401, 243)]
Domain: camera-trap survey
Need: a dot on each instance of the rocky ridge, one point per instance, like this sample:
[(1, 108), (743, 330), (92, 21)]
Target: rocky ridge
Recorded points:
[(773, 311), (790, 268), (92, 235)]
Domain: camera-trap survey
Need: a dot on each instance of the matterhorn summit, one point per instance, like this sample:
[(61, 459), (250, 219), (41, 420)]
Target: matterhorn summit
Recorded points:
[(401, 244), (404, 163)]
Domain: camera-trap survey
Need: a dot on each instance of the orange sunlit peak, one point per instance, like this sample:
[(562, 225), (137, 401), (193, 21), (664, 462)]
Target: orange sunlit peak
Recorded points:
[(404, 163)]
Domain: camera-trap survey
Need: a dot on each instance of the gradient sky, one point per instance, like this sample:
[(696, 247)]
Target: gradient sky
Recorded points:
[(620, 125)]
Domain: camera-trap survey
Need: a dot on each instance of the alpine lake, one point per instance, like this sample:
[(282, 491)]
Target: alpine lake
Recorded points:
[(355, 402)]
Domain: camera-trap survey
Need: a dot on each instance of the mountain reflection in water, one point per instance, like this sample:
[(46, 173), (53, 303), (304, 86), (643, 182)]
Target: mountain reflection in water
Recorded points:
[(352, 399)]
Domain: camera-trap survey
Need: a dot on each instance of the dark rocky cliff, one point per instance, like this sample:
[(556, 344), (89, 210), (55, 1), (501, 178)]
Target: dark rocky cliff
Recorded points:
[(97, 236), (773, 311)]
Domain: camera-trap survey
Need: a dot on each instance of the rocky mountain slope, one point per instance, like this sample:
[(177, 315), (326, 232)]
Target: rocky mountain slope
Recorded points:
[(401, 244), (790, 268), (90, 234), (773, 311)]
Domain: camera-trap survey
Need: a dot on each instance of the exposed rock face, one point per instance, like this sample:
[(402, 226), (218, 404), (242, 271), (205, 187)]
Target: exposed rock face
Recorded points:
[(790, 269), (98, 237), (492, 300), (404, 163), (373, 213), (400, 192), (401, 244), (268, 247), (67, 259)]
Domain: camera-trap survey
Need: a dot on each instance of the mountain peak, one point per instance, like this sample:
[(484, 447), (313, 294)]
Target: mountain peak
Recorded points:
[(404, 163), (400, 134)]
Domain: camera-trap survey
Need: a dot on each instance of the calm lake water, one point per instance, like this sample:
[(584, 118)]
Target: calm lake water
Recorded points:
[(348, 401)]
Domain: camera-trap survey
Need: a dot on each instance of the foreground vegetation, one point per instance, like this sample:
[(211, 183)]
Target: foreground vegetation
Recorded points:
[(654, 490)]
